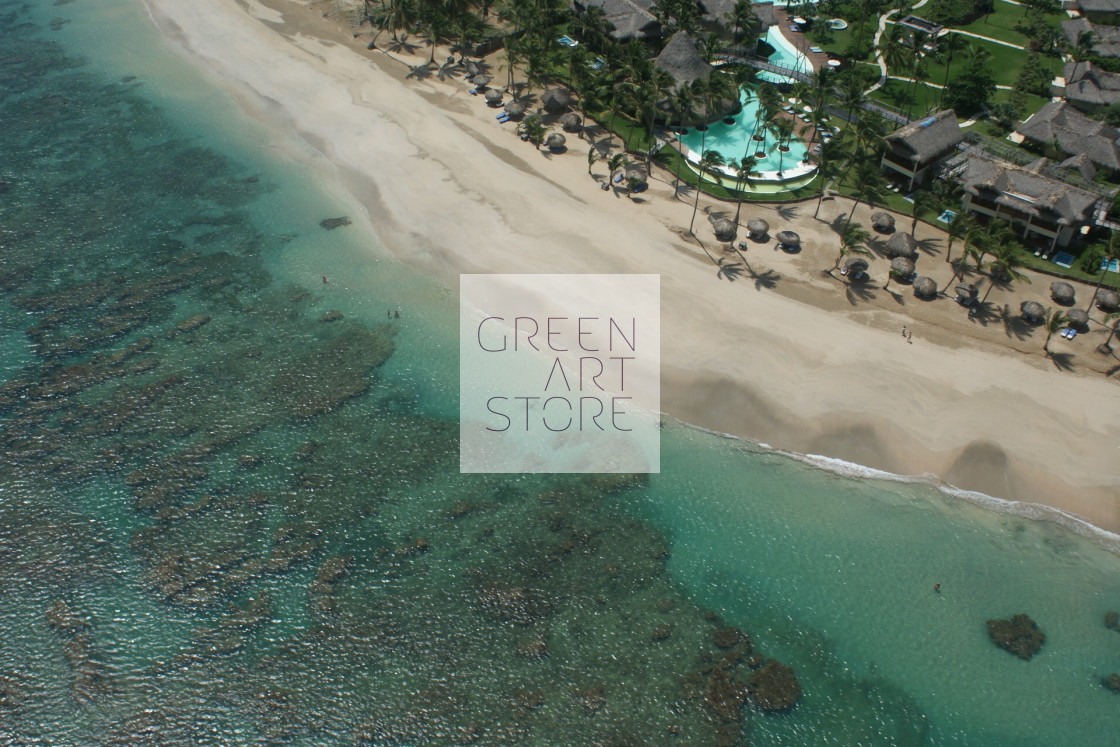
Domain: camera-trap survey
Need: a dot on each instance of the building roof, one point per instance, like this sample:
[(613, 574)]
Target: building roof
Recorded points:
[(1088, 85), (1106, 39), (1082, 164), (631, 19), (1060, 124), (1026, 190), (927, 138), (1099, 6), (681, 60)]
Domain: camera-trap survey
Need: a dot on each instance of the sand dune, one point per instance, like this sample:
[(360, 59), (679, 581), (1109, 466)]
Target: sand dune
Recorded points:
[(771, 349)]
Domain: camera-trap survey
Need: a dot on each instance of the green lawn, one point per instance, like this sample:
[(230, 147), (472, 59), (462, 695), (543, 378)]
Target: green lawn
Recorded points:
[(1000, 24), (1005, 64)]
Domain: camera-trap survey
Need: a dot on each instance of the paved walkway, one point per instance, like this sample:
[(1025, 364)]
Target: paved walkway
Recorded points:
[(883, 20), (985, 38)]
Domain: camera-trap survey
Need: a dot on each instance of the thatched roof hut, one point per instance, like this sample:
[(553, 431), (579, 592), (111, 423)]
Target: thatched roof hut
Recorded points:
[(967, 293), (855, 266), (902, 244), (925, 287), (681, 60), (480, 81), (1108, 300), (724, 229), (1078, 319), (882, 222), (515, 109), (555, 141), (637, 177), (556, 100), (571, 122), (902, 269), (493, 96), (788, 238), (1032, 312), (1062, 292), (758, 229)]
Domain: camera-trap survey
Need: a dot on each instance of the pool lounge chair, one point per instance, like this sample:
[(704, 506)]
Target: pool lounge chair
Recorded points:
[(818, 50)]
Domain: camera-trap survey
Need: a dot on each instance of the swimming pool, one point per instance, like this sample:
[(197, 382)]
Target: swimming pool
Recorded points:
[(786, 55), (735, 140)]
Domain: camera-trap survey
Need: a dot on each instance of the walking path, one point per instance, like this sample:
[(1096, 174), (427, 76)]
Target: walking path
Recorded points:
[(985, 38), (883, 20)]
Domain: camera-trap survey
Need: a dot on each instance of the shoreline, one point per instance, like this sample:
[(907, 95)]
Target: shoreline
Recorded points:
[(799, 365)]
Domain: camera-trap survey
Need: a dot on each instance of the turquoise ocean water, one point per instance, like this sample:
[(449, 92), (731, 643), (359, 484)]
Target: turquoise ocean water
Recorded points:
[(226, 520)]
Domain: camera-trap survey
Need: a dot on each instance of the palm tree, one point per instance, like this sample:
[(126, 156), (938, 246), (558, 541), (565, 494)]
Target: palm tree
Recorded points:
[(783, 132), (594, 155), (744, 170), (853, 242), (947, 47), (683, 101), (1112, 330), (829, 162), (1004, 266), (923, 200), (869, 186), (1055, 320), (957, 227), (709, 160)]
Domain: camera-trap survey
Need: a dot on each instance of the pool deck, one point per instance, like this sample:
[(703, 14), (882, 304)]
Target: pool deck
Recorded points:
[(798, 39)]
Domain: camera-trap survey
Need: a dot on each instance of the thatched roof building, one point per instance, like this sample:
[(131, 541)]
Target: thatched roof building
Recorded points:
[(493, 96), (1108, 300), (1057, 123), (515, 109), (630, 19), (902, 269), (925, 287), (855, 266), (1106, 39), (1062, 292), (1032, 312), (724, 229), (902, 244), (480, 80), (682, 61), (1088, 87), (555, 141), (882, 222), (758, 229)]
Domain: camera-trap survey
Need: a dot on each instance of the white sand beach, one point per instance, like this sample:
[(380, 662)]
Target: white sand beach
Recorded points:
[(789, 356)]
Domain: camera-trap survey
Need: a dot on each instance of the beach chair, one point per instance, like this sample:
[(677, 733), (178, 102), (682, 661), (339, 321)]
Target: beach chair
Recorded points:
[(818, 50), (502, 118)]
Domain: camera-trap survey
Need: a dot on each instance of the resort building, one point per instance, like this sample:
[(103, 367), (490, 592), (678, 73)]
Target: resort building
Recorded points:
[(1097, 11), (682, 61), (1106, 39), (914, 150), (1047, 210), (630, 19), (1086, 86), (921, 29), (1057, 126)]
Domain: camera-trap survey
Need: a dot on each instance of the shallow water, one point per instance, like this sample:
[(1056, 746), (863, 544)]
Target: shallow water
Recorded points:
[(252, 529)]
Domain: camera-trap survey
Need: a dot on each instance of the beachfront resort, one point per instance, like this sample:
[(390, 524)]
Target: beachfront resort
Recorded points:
[(991, 122)]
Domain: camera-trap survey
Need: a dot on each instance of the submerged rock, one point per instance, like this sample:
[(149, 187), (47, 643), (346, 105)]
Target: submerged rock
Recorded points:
[(64, 620), (1112, 621), (332, 223), (727, 637), (1019, 635), (331, 316), (1112, 682), (774, 687), (724, 697)]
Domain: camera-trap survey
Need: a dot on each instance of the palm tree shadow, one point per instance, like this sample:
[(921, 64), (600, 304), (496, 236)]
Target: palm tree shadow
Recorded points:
[(930, 246), (879, 247), (768, 279), (859, 291), (448, 71), (420, 72), (728, 270), (1015, 326), (985, 313), (787, 212), (402, 44), (1062, 361)]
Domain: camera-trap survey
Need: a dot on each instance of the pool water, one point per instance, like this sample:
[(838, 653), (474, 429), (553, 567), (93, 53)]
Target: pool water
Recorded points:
[(734, 141), (785, 55)]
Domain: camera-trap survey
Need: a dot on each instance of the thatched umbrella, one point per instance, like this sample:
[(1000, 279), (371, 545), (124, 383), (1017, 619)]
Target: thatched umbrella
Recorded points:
[(1078, 319), (855, 266), (788, 238), (1108, 300), (902, 268), (555, 141), (1062, 292), (493, 96), (480, 81), (902, 244), (1032, 312), (515, 109), (925, 287), (882, 222), (571, 122), (724, 229), (967, 293), (556, 100), (472, 68), (637, 177), (758, 229)]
